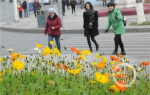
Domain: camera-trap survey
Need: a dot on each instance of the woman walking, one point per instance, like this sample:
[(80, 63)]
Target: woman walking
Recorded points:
[(73, 6), (90, 17), (37, 6), (78, 3), (115, 19), (52, 28)]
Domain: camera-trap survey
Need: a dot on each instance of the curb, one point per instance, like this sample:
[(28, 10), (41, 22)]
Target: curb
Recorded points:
[(71, 31)]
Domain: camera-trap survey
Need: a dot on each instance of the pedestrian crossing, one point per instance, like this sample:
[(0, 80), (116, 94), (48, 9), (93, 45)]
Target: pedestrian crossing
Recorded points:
[(136, 44)]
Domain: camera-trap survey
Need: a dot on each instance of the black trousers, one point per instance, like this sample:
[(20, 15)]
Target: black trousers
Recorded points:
[(63, 7), (104, 3), (118, 42), (89, 42), (20, 14), (35, 13), (73, 8)]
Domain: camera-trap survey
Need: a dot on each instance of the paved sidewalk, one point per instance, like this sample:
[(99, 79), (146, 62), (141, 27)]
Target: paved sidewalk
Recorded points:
[(71, 23)]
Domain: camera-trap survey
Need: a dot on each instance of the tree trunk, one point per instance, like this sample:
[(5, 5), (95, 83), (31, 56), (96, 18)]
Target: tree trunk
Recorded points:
[(140, 11)]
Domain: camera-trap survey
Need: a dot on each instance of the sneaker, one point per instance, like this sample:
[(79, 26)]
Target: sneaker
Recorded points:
[(123, 53), (115, 53)]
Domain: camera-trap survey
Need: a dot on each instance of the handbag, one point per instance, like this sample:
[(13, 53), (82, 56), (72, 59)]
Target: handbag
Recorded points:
[(124, 20), (90, 26)]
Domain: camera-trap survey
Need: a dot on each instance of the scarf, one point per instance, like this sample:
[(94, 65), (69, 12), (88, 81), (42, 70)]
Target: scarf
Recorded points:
[(90, 12), (51, 16)]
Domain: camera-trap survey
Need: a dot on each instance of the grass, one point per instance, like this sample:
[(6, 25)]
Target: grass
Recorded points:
[(45, 75), (136, 24), (38, 84)]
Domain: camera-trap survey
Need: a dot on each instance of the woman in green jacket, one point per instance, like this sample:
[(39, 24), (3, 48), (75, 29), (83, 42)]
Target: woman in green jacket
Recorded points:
[(115, 20)]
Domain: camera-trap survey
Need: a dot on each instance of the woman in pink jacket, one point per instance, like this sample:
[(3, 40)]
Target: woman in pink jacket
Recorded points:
[(52, 28)]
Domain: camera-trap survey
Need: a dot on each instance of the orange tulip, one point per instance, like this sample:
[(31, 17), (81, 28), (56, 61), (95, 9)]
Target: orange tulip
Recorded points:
[(58, 66), (101, 65), (79, 58), (118, 62), (145, 63), (96, 67), (114, 58), (65, 66), (120, 55), (14, 56), (75, 50), (116, 69), (121, 75), (121, 85)]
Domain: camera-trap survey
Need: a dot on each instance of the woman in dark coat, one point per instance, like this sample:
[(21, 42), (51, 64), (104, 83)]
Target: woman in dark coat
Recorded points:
[(73, 6), (52, 28), (90, 17)]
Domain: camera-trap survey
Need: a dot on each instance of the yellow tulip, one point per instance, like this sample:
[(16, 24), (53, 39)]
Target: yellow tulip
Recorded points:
[(79, 66), (48, 62), (92, 82), (39, 45), (98, 56), (51, 42), (113, 88), (102, 78), (74, 71), (104, 59), (17, 64), (1, 59), (86, 52), (112, 62), (81, 57), (94, 63), (56, 52), (22, 56), (46, 51)]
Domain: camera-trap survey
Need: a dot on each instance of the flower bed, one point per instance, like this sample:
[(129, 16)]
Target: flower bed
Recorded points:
[(49, 73)]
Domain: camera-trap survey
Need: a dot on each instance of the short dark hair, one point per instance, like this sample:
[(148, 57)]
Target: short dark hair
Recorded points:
[(90, 4), (111, 4)]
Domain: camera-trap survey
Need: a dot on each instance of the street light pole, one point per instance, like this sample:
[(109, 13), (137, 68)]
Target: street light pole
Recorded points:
[(59, 4), (52, 2), (16, 11), (28, 12), (7, 11), (42, 4)]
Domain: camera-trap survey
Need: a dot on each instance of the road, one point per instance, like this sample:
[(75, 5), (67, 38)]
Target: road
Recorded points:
[(136, 44)]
